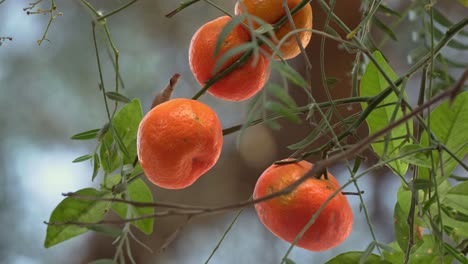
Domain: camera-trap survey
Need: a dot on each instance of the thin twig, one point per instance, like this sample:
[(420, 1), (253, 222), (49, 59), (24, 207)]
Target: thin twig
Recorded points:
[(347, 154)]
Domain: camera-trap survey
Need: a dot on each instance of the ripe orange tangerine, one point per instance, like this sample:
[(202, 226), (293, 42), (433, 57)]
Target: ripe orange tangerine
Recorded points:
[(286, 215), (240, 84), (178, 141), (271, 11)]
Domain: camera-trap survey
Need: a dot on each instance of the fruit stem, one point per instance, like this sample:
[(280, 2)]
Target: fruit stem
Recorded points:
[(325, 170), (166, 93)]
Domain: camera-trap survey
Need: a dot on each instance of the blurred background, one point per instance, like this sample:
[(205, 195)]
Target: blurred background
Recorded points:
[(49, 92)]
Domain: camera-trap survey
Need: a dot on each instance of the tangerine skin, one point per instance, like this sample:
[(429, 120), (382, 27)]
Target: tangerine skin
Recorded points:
[(241, 83), (285, 216), (271, 11), (178, 141)]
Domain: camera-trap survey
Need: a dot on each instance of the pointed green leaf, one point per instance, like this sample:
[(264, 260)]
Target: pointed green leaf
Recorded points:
[(137, 191), (372, 83), (332, 81), (419, 158), (240, 49), (227, 29), (381, 25), (353, 257), (96, 166), (455, 253), (449, 123), (459, 45), (402, 228), (365, 255), (82, 158), (281, 94), (455, 204), (444, 21), (106, 230), (90, 134), (71, 209), (117, 97), (288, 72), (387, 10), (283, 110), (428, 252), (289, 261), (306, 141), (121, 144), (124, 130)]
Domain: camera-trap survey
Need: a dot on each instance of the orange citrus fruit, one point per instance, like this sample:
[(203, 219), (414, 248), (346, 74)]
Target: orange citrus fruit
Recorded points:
[(240, 84), (178, 141), (271, 11), (286, 215)]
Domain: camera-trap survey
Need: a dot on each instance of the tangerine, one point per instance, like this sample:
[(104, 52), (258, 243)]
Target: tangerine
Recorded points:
[(285, 216), (178, 141), (271, 11), (241, 83)]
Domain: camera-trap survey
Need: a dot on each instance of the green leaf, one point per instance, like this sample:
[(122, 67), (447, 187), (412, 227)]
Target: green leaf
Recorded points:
[(420, 156), (82, 158), (332, 81), (289, 261), (273, 124), (438, 34), (444, 21), (106, 230), (353, 257), (96, 166), (365, 255), (288, 72), (283, 110), (427, 253), (453, 213), (451, 63), (455, 203), (121, 144), (102, 132), (381, 25), (280, 93), (227, 29), (137, 191), (90, 134), (125, 125), (372, 83), (71, 209), (387, 10), (402, 228), (455, 253), (449, 123), (242, 48), (421, 184), (306, 141), (117, 97)]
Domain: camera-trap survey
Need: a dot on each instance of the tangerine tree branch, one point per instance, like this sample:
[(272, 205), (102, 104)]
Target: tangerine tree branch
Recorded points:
[(319, 166), (238, 63), (302, 110), (182, 6), (216, 210), (116, 10)]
